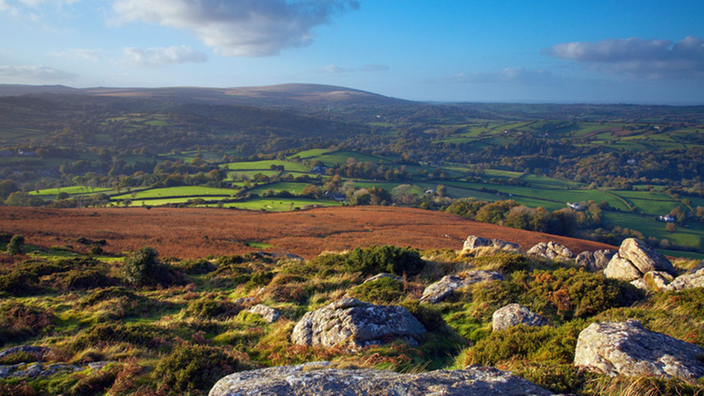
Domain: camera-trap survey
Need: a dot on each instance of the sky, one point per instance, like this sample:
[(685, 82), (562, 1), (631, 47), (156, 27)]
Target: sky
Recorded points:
[(552, 51)]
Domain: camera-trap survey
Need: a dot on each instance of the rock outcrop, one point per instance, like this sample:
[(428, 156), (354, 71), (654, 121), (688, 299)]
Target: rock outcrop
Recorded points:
[(514, 315), (443, 288), (595, 261), (689, 280), (37, 369), (551, 250), (269, 314), (382, 276), (355, 324), (37, 351), (627, 348), (644, 257), (634, 259), (320, 380), (474, 242)]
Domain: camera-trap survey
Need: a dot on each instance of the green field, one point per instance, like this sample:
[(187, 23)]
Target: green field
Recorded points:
[(73, 190), (691, 236), (183, 191), (342, 157), (266, 165), (277, 204), (309, 153), (293, 188)]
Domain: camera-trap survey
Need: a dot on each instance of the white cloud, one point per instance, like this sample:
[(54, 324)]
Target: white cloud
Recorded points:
[(238, 27), (515, 75), (33, 74), (155, 57), (638, 57), (366, 68), (79, 53)]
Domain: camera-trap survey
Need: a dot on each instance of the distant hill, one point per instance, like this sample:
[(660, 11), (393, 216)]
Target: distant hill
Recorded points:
[(274, 95), (15, 89)]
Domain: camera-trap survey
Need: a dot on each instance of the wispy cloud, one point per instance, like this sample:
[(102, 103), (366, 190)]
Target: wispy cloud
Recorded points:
[(31, 8), (33, 74), (79, 53), (513, 75), (365, 68), (156, 57), (238, 27), (656, 59)]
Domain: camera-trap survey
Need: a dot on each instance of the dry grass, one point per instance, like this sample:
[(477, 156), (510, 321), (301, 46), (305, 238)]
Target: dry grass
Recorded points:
[(194, 233)]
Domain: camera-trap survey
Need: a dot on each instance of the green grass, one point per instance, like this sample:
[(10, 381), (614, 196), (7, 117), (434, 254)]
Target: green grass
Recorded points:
[(653, 204), (342, 157), (266, 165), (183, 191), (309, 153), (277, 204), (72, 190), (294, 188), (691, 236)]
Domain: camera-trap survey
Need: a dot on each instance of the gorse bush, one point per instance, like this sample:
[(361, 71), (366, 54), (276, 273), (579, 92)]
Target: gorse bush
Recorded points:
[(143, 268), (195, 368), (385, 258), (209, 307), (195, 267), (380, 291), (16, 245)]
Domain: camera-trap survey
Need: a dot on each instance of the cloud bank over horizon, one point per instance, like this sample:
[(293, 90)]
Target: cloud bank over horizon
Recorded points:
[(251, 28), (655, 59)]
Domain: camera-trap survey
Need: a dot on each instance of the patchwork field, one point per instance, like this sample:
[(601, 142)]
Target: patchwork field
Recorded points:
[(191, 233)]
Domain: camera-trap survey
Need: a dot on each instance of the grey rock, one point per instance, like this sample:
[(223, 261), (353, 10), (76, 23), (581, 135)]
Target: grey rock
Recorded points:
[(687, 281), (352, 323), (514, 315), (269, 314), (622, 269), (37, 351), (644, 258), (443, 288), (245, 301), (318, 379), (595, 261), (627, 348), (382, 276), (639, 283), (474, 242), (551, 250), (33, 370), (657, 280)]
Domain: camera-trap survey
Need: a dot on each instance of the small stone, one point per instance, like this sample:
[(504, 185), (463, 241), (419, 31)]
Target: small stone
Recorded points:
[(269, 314), (514, 315)]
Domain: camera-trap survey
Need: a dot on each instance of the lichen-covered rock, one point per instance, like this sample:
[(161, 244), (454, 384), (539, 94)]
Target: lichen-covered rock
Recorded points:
[(37, 369), (552, 251), (38, 351), (382, 276), (644, 258), (657, 280), (627, 348), (622, 269), (687, 281), (595, 261), (355, 324), (474, 242), (443, 288), (269, 314), (320, 380), (514, 315)]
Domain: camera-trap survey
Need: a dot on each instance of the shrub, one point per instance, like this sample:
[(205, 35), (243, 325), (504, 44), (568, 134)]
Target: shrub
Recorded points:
[(195, 368), (385, 258), (86, 279), (380, 291), (195, 267), (19, 322), (208, 307), (143, 268), (16, 245), (259, 279)]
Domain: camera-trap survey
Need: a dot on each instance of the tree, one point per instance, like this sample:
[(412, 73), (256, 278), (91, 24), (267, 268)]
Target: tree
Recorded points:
[(143, 268), (671, 227), (16, 245), (62, 195)]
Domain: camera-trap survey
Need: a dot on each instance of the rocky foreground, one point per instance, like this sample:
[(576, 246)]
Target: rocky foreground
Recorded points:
[(318, 379)]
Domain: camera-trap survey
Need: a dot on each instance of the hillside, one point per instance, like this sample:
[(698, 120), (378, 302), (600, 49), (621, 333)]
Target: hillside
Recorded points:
[(191, 233)]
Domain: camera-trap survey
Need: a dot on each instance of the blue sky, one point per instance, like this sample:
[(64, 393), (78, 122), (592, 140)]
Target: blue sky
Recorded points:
[(447, 50)]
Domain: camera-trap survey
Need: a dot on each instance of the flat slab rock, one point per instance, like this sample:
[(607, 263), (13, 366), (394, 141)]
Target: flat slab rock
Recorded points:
[(688, 281), (443, 288), (514, 315), (355, 324), (627, 348), (317, 379), (474, 242)]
